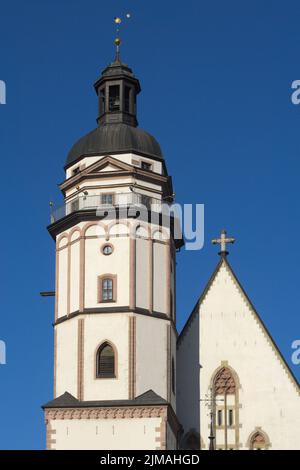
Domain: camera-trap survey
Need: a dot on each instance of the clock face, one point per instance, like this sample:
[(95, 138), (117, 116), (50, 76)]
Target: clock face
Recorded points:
[(107, 250)]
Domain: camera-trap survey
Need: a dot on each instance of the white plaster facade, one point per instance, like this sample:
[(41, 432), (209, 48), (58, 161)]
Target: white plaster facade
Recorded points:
[(138, 323), (225, 331), (112, 434)]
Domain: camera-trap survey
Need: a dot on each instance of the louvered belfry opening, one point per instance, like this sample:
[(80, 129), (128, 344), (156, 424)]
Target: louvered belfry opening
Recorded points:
[(105, 361)]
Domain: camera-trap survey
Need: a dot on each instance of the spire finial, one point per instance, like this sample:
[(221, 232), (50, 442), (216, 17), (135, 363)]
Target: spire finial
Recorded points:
[(223, 240), (117, 40)]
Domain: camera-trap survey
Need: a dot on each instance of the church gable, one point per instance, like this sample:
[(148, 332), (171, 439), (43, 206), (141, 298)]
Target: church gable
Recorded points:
[(106, 167), (226, 303), (239, 368), (234, 342), (108, 163)]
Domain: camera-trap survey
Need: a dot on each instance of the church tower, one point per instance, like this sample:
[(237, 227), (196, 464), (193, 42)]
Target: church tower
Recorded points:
[(114, 328)]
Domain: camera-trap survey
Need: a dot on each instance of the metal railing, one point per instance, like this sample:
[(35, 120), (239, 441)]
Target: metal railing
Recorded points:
[(99, 201)]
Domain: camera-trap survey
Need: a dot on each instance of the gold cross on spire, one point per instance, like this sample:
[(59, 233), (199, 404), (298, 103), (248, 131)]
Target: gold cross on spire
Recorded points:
[(223, 240)]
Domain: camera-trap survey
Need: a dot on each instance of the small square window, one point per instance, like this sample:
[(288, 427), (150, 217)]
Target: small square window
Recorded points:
[(76, 170), (146, 166), (146, 201), (107, 199), (75, 205)]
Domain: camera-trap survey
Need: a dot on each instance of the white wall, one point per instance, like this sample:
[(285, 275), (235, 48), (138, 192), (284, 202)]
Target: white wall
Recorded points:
[(229, 331), (66, 357), (97, 329), (151, 355), (113, 434), (160, 277), (97, 264), (143, 273), (74, 272), (62, 279)]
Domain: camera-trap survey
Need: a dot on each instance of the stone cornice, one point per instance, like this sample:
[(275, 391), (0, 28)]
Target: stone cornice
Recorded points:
[(123, 169), (107, 412), (125, 412)]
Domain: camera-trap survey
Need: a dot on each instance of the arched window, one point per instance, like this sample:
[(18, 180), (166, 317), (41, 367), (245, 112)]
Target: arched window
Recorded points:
[(106, 361), (258, 440), (224, 382), (226, 408)]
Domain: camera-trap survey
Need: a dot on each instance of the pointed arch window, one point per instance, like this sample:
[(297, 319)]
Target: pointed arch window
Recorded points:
[(258, 440), (106, 361), (224, 382), (225, 394)]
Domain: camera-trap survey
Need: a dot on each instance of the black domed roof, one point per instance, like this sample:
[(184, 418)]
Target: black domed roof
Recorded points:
[(112, 139)]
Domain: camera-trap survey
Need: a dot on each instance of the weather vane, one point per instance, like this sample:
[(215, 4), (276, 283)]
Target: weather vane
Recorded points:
[(118, 20)]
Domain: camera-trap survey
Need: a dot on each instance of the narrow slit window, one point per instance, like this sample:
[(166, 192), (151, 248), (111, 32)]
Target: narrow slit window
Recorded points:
[(220, 418), (230, 417)]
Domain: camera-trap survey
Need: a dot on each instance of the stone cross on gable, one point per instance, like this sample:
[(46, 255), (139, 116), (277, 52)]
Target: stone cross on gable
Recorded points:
[(223, 240)]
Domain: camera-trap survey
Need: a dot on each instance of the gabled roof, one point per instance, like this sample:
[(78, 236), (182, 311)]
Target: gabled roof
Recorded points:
[(223, 261), (120, 168), (69, 401)]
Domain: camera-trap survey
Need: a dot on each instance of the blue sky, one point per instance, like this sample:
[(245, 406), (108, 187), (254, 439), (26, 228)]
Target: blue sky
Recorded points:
[(216, 84)]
